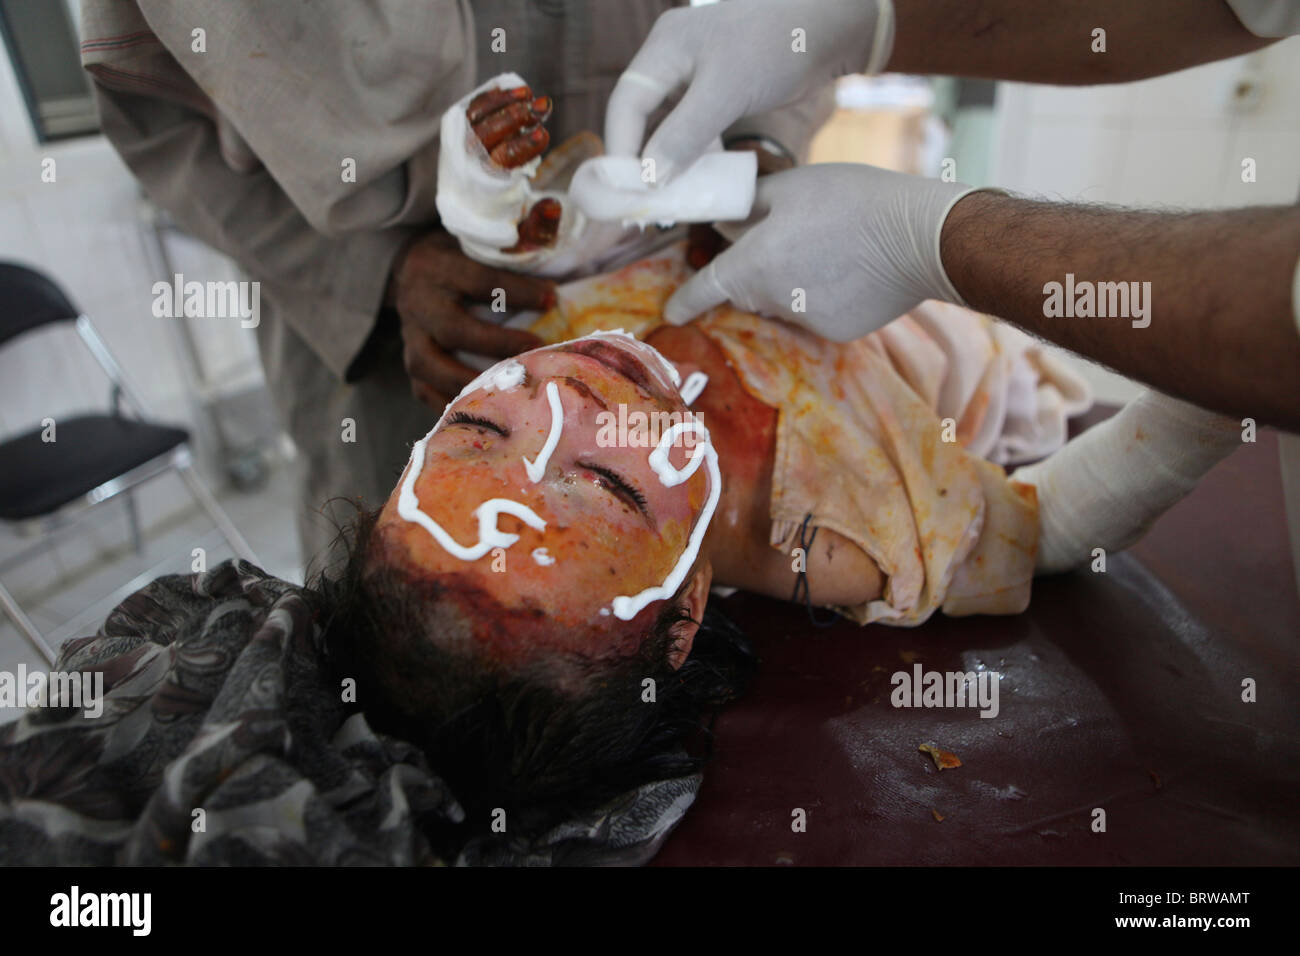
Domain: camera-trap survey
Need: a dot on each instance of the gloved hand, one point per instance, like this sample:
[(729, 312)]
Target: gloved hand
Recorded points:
[(839, 248), (737, 59)]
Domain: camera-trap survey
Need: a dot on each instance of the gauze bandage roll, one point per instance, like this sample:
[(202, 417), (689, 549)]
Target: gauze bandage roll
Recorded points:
[(1108, 486)]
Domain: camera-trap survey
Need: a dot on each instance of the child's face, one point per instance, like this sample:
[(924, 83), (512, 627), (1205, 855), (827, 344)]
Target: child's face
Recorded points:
[(612, 527)]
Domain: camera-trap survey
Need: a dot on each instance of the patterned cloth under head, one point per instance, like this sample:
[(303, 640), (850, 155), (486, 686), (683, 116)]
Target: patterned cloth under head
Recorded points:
[(217, 699)]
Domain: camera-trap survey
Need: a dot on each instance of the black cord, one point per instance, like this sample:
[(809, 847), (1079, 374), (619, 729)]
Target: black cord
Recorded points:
[(801, 582)]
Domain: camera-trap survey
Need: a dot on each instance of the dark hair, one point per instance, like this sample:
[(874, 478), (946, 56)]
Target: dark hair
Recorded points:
[(510, 738)]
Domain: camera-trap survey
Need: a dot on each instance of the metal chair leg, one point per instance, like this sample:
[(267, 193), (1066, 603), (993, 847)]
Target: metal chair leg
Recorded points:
[(25, 624), (218, 514), (133, 517)]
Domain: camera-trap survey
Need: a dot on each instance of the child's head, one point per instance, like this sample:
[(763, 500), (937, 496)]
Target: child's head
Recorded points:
[(496, 642), (529, 498)]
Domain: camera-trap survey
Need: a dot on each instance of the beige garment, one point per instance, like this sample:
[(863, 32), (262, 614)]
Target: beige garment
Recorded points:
[(860, 445), (1009, 396), (246, 144)]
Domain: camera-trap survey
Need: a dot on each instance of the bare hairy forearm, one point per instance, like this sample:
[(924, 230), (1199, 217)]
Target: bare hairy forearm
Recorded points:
[(1051, 41), (1219, 328)]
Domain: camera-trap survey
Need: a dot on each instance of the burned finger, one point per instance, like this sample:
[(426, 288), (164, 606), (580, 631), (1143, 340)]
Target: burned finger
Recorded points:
[(538, 229), (489, 101), (520, 149), (503, 124), (541, 108)]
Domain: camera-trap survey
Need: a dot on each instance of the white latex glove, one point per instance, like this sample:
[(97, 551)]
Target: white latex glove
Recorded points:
[(853, 245), (737, 59)]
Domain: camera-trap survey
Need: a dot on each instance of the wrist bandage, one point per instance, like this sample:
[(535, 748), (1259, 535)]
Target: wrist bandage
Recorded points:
[(1105, 488)]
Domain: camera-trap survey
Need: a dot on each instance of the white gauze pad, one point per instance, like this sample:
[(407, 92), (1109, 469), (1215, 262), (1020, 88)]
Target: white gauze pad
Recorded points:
[(1105, 488), (717, 187)]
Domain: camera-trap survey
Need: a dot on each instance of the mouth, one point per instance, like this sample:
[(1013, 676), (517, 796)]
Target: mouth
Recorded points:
[(622, 362)]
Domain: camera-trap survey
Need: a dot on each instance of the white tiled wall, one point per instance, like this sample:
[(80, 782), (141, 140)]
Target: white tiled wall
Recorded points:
[(1176, 140)]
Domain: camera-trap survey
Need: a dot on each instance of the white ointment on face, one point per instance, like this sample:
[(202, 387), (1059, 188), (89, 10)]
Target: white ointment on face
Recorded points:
[(536, 469), (510, 374), (693, 386), (627, 607), (489, 535), (502, 376)]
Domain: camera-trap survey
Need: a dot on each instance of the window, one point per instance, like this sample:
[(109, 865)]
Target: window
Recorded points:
[(42, 45)]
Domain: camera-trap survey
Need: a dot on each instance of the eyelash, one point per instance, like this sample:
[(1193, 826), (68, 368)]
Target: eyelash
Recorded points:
[(613, 477), (617, 481), (465, 418)]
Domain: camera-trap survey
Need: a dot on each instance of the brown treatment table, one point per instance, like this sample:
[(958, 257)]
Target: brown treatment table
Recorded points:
[(1120, 690)]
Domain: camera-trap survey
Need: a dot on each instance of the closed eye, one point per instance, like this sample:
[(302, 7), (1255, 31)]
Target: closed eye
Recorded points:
[(477, 421), (620, 487)]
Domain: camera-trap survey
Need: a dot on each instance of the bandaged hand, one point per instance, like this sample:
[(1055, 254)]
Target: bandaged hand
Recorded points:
[(508, 123), (734, 60), (839, 248), (491, 144), (504, 204)]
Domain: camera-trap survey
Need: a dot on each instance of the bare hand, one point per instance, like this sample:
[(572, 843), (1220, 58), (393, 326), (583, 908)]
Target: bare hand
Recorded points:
[(431, 285)]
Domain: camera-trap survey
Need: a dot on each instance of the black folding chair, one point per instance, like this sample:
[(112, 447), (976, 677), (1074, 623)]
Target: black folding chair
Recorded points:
[(47, 486)]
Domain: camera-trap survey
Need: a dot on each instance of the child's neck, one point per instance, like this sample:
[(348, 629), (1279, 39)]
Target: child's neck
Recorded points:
[(743, 431)]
